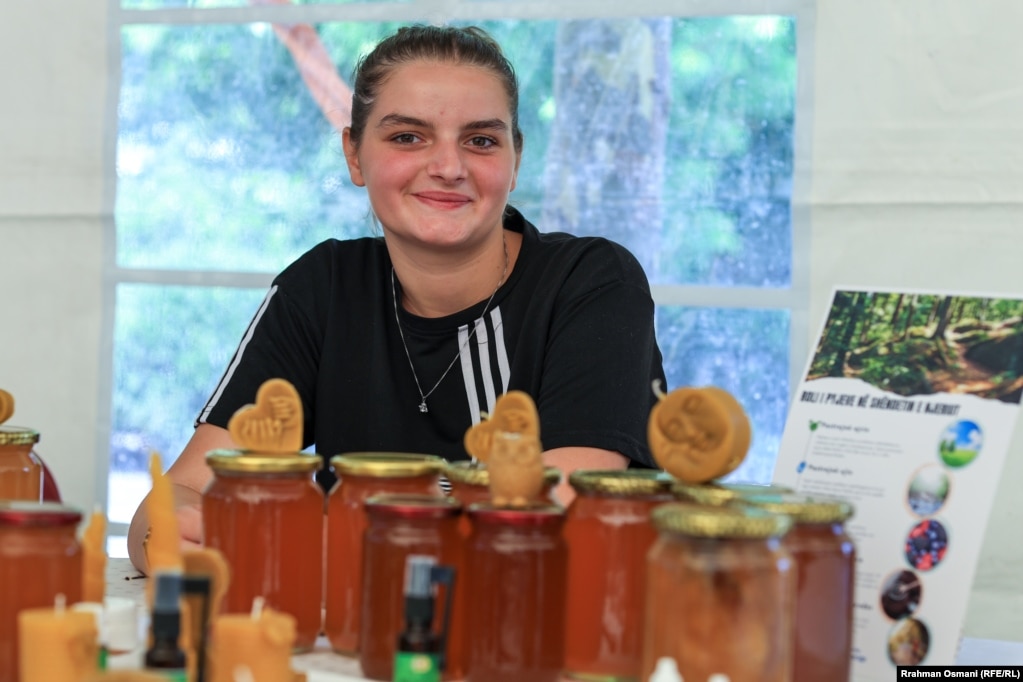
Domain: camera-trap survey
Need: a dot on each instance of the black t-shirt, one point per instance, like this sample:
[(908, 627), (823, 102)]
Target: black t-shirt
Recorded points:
[(573, 326)]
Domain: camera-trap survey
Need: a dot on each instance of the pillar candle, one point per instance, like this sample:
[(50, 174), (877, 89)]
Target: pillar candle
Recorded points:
[(163, 549), (94, 558), (260, 641), (57, 644)]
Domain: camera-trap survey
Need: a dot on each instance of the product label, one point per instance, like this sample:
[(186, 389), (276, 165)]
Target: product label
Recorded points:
[(416, 667)]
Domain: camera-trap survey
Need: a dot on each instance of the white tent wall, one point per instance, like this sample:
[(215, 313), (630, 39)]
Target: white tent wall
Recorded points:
[(915, 181)]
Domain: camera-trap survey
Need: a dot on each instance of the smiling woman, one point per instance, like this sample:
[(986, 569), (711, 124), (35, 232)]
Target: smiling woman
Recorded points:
[(670, 135), (461, 301)]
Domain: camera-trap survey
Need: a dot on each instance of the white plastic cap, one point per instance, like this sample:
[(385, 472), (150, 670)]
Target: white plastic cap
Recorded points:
[(719, 677), (666, 670), (122, 624)]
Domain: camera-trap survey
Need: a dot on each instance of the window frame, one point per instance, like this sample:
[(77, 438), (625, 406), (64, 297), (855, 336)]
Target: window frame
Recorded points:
[(794, 298)]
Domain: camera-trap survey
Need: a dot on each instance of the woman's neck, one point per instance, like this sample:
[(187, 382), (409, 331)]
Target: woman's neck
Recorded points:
[(437, 287)]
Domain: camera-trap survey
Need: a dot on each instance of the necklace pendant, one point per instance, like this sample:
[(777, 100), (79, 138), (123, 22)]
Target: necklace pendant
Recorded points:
[(422, 407)]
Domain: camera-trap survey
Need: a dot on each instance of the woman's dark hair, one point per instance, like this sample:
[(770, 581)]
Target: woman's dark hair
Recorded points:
[(470, 45)]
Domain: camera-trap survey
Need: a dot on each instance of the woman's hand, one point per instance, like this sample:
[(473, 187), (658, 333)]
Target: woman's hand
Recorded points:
[(189, 475)]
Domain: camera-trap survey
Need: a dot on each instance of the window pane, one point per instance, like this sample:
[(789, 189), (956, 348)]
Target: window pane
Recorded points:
[(745, 352), (171, 345), (164, 4), (672, 136)]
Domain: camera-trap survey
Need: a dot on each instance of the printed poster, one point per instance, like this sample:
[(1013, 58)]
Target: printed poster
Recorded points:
[(906, 410)]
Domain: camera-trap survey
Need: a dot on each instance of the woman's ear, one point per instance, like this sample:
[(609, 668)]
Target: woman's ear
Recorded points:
[(352, 157)]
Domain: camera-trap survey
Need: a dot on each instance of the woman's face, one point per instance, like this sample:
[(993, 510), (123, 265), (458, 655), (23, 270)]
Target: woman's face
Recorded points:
[(437, 155)]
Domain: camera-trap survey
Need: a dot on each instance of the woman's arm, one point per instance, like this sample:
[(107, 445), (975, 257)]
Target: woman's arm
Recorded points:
[(189, 476), (570, 459)]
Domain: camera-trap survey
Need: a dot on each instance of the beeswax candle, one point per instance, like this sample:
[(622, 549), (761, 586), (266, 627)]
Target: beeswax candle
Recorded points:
[(94, 558), (163, 548), (57, 644), (260, 641)]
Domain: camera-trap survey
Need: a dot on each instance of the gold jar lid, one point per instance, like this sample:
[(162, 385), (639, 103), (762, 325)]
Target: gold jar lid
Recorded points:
[(18, 435), (719, 522), (476, 473), (621, 482), (718, 494), (254, 462), (386, 464), (803, 508)]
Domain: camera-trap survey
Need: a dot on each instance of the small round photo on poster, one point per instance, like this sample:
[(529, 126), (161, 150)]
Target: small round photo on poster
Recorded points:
[(901, 594), (926, 544), (960, 443), (928, 490), (908, 642)]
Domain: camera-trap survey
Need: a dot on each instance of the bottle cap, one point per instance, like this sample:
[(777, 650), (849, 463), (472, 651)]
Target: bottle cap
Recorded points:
[(666, 671)]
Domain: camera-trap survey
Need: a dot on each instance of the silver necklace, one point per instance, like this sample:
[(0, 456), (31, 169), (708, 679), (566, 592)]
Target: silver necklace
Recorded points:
[(394, 297)]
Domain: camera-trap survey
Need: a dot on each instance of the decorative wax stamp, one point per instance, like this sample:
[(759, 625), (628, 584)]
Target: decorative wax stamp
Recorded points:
[(698, 434)]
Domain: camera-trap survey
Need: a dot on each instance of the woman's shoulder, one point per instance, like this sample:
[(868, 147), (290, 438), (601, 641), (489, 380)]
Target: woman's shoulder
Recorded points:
[(334, 258), (596, 256)]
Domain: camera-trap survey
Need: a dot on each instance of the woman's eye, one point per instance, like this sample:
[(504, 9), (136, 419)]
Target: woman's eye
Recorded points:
[(405, 138), (482, 142)]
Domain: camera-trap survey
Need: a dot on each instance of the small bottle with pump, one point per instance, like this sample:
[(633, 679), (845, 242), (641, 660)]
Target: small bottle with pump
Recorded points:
[(165, 656), (419, 656)]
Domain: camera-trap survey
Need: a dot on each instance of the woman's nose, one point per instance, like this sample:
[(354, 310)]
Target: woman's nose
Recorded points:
[(446, 161)]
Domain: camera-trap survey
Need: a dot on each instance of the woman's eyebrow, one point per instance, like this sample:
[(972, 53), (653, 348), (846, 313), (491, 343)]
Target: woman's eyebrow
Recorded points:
[(392, 120), (400, 120), (495, 124)]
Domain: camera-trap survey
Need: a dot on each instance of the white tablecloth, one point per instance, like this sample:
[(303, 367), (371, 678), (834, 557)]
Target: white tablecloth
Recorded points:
[(323, 665)]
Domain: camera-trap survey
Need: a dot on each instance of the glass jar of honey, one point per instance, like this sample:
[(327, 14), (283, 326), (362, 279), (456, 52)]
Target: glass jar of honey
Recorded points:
[(515, 574), (399, 526), (21, 471), (608, 533), (362, 475), (825, 559), (719, 594), (264, 512), (40, 557)]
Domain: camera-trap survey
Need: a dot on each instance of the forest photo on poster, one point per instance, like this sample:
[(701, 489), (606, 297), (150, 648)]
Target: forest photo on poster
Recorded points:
[(919, 344)]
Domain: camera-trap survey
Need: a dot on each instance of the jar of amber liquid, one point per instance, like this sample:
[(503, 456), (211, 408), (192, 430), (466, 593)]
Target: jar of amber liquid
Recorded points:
[(825, 559), (21, 471), (265, 513), (470, 483), (40, 557), (719, 594), (515, 575), (400, 526), (608, 532), (361, 476)]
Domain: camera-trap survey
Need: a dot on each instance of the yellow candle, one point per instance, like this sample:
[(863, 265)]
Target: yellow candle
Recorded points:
[(94, 558), (57, 644), (258, 643), (163, 549)]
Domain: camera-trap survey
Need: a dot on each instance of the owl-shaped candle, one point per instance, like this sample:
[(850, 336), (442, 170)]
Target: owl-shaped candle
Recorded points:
[(509, 443), (698, 434)]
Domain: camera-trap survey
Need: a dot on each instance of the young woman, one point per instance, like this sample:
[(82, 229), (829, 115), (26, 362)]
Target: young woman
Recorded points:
[(399, 343)]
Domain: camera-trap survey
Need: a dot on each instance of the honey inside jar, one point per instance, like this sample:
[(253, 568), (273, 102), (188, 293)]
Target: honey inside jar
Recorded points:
[(265, 514), (719, 595), (21, 471), (516, 563), (400, 526), (608, 533), (40, 557), (362, 475), (825, 559)]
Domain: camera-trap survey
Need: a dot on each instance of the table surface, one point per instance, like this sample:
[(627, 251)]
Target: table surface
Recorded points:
[(323, 665)]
